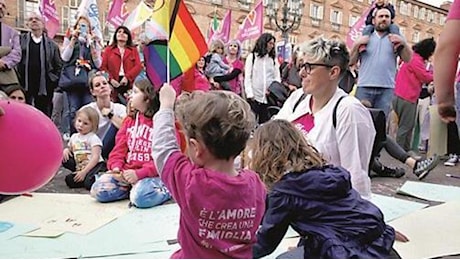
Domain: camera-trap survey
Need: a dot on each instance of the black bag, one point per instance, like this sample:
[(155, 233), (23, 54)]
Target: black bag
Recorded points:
[(69, 81), (277, 94)]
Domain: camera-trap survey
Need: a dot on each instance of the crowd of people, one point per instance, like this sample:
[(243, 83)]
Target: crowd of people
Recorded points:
[(309, 166)]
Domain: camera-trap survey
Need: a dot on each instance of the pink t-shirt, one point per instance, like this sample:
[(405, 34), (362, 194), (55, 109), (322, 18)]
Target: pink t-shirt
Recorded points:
[(219, 214), (454, 12), (305, 123), (235, 84)]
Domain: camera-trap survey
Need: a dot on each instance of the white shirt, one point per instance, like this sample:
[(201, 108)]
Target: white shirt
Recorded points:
[(349, 144), (259, 76)]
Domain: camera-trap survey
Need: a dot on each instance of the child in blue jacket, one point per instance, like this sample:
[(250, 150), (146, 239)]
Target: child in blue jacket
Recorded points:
[(315, 199)]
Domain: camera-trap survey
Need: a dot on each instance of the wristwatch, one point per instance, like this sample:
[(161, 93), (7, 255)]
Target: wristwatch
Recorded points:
[(110, 115)]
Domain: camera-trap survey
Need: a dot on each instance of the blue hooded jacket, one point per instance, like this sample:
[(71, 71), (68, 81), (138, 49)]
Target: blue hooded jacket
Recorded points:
[(332, 219)]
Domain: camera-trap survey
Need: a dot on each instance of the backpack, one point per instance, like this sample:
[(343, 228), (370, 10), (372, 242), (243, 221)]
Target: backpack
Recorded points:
[(277, 92), (378, 119)]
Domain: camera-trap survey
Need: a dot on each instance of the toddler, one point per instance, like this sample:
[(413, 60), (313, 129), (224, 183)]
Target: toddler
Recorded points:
[(83, 153), (221, 207)]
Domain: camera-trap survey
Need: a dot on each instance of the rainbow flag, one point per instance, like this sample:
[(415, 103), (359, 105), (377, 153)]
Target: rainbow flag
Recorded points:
[(186, 43)]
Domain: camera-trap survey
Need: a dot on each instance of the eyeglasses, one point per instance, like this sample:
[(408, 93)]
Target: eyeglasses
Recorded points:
[(309, 66)]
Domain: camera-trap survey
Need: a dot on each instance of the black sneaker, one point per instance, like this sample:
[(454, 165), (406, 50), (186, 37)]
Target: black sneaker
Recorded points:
[(384, 171), (423, 167)]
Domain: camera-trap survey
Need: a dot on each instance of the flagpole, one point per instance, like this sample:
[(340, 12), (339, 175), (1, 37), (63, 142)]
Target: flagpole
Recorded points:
[(168, 75)]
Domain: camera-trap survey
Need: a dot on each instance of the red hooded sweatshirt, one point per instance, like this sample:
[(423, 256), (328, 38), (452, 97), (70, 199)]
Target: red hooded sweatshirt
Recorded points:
[(133, 147)]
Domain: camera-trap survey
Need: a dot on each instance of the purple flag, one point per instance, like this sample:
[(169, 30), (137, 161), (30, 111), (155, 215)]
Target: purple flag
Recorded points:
[(252, 26), (357, 29), (117, 13), (50, 15), (224, 33)]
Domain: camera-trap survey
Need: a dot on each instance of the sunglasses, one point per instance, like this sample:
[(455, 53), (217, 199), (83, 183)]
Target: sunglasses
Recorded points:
[(309, 66)]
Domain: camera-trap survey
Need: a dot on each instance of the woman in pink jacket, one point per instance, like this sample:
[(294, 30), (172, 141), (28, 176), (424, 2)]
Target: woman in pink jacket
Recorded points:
[(409, 80)]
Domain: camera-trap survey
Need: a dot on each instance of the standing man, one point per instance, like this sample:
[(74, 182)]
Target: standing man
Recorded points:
[(10, 51), (40, 66), (378, 64)]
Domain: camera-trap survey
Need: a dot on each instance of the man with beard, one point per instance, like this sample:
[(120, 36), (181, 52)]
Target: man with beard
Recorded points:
[(40, 66), (377, 73), (10, 51), (378, 63)]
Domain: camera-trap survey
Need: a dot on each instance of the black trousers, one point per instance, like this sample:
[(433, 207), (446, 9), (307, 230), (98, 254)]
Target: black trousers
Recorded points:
[(90, 178), (260, 110), (453, 141)]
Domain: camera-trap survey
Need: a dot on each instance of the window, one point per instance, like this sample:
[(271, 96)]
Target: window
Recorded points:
[(416, 36), (402, 30), (68, 17), (352, 19), (416, 11), (442, 19), (217, 2), (403, 8), (293, 39), (430, 16), (316, 11), (26, 8), (336, 17), (422, 13), (74, 3)]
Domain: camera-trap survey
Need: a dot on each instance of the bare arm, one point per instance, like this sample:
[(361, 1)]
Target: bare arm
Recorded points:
[(95, 156), (354, 55), (445, 59)]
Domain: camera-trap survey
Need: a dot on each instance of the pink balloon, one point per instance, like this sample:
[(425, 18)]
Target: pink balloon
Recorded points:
[(30, 148)]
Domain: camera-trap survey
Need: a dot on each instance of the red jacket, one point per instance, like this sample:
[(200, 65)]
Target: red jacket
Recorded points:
[(133, 146), (111, 61)]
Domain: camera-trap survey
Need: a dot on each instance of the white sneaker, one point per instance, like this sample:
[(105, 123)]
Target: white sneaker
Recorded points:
[(452, 161), (66, 137)]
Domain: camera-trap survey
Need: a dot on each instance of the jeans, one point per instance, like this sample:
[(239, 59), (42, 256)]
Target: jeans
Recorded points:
[(108, 142), (61, 114), (77, 99), (146, 193), (380, 98)]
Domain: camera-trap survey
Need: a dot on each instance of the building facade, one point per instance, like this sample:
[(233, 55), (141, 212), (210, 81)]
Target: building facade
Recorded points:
[(331, 18)]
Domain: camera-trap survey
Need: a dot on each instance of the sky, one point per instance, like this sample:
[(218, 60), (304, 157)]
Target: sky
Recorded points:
[(436, 3)]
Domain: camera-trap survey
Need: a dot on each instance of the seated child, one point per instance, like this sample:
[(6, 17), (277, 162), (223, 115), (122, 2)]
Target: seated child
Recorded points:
[(221, 208), (83, 153), (315, 199), (216, 65), (393, 28), (131, 170)]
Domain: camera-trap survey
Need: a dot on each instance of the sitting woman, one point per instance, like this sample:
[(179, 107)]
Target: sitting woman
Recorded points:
[(111, 114), (132, 172), (16, 92), (315, 199)]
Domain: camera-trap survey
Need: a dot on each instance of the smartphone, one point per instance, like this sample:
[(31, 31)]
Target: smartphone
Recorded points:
[(83, 29)]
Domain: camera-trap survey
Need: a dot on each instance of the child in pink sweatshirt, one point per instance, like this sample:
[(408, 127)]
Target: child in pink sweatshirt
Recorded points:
[(131, 170), (221, 207)]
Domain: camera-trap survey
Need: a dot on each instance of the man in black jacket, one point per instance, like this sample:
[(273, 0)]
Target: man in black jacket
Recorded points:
[(40, 66)]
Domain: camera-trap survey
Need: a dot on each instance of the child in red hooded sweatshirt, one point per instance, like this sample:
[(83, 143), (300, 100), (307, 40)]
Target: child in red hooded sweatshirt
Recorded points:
[(131, 170), (221, 207)]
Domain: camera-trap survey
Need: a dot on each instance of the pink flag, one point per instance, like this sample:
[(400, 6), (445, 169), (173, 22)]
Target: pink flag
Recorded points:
[(117, 13), (252, 25), (224, 33), (50, 15), (357, 29)]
